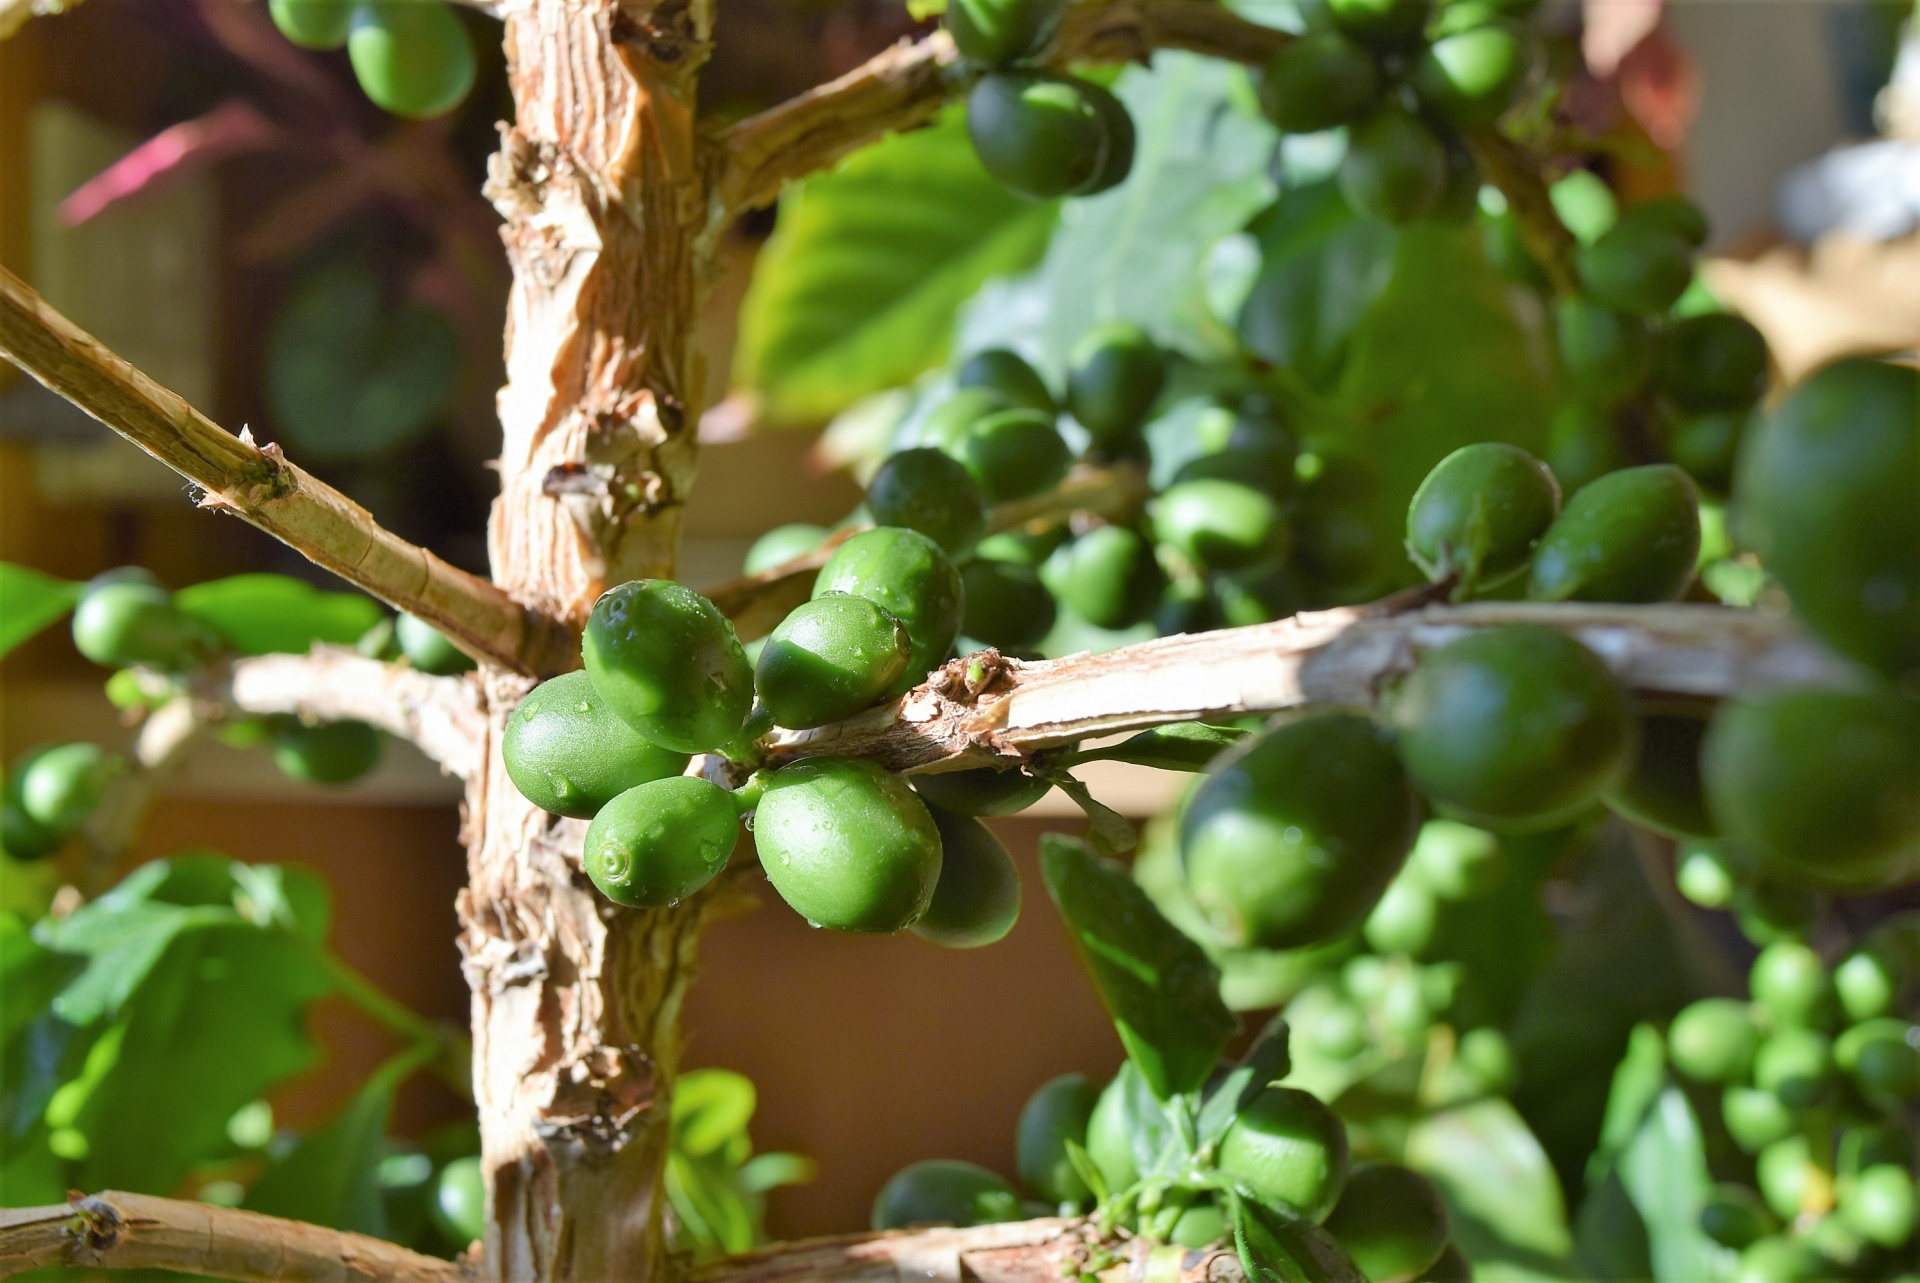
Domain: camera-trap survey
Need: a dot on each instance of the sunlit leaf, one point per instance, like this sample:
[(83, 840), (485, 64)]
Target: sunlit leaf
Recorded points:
[(30, 601), (261, 614)]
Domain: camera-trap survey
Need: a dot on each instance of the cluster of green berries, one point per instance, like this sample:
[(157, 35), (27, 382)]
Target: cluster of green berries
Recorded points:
[(1040, 134), (1406, 78), (1077, 1145), (1818, 1074), (412, 57)]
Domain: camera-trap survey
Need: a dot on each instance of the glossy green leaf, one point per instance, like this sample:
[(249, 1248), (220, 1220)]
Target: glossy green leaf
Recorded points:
[(1277, 1248), (763, 1172), (30, 601), (1504, 1199), (350, 374), (1265, 1063), (1179, 746), (710, 1108), (857, 290), (1158, 986), (1322, 267), (332, 1176), (263, 614), (1148, 1122)]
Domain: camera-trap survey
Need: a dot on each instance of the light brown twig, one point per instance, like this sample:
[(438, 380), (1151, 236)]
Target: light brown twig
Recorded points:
[(116, 1231), (262, 488)]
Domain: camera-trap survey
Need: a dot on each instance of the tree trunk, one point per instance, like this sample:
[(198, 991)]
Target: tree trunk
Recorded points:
[(575, 1003)]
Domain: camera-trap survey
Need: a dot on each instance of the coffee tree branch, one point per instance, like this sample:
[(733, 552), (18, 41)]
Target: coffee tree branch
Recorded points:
[(756, 603), (445, 717), (905, 85), (1344, 658), (262, 488), (116, 1231)]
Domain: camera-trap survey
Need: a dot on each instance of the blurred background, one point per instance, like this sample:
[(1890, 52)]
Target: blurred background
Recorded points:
[(229, 213)]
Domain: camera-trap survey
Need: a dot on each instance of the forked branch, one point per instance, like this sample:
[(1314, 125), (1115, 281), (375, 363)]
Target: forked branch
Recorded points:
[(116, 1231), (264, 489), (1337, 658), (905, 85)]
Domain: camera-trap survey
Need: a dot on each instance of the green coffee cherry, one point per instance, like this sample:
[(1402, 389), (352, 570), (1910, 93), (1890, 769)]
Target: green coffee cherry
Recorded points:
[(948, 422), (998, 33), (1516, 726), (1880, 1206), (1663, 791), (1395, 168), (1450, 1267), (1486, 1059), (1390, 1221), (1114, 376), (1630, 536), (782, 544), (1707, 446), (1820, 784), (1038, 133), (428, 649), (1783, 1170), (21, 836), (1006, 604), (1292, 840), (128, 622), (668, 664), (1882, 1056), (944, 1191), (1222, 525), (1323, 1022), (847, 845), (1478, 513), (1108, 576), (1403, 921), (1471, 77), (459, 1205), (1704, 878), (1022, 548), (1676, 214), (1506, 248), (1583, 444), (312, 24), (983, 791), (567, 752), (1257, 595), (1713, 362), (1267, 464), (60, 786), (1108, 1143), (1007, 375), (1867, 983), (906, 574), (1290, 1151), (326, 753), (828, 659), (1456, 861), (658, 843), (1790, 982), (1755, 1118), (1828, 494), (1796, 1065), (1608, 353), (1057, 1113), (925, 490), (411, 58), (1013, 454), (977, 898), (1734, 1216), (1638, 267), (1390, 24), (1770, 909), (1714, 1041), (1199, 1226), (1122, 140), (1774, 1259), (1317, 81)]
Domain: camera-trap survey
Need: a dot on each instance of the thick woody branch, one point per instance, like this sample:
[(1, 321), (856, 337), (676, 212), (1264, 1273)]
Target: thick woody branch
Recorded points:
[(443, 716), (1018, 1252), (1343, 658), (756, 603), (265, 490), (115, 1231), (1506, 164), (905, 85)]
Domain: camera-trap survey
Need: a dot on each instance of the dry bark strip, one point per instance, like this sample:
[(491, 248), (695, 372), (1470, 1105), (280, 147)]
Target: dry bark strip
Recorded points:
[(116, 1231), (262, 488), (1336, 658)]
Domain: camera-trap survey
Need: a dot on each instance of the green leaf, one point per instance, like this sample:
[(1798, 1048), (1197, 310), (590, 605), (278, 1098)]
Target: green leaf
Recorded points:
[(1111, 832), (1178, 746), (763, 1172), (1158, 986), (715, 1212), (332, 1177), (1505, 1200), (30, 601), (1322, 267), (1265, 1063), (349, 376), (710, 1108), (263, 614), (858, 288), (1637, 1082), (1135, 253), (1149, 1125), (1277, 1248)]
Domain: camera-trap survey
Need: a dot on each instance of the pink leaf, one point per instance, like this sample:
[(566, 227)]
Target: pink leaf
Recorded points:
[(172, 154)]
